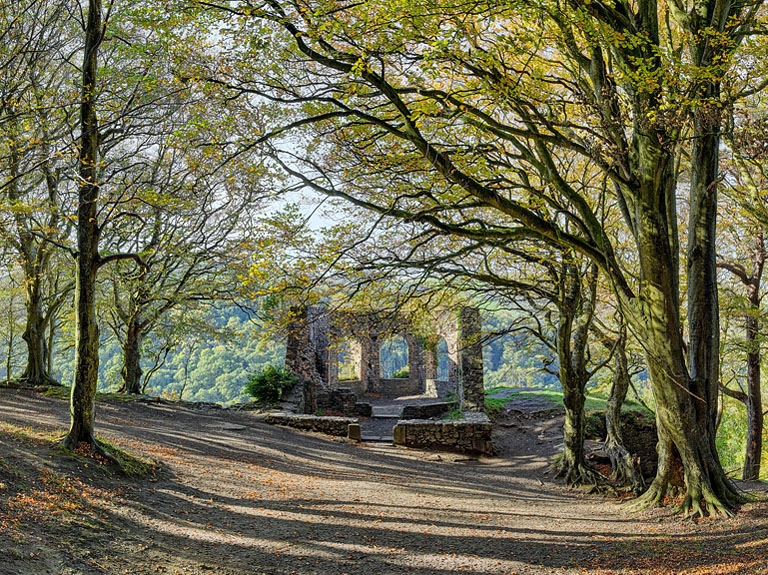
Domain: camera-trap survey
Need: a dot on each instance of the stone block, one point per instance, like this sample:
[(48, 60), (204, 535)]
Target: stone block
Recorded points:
[(363, 409), (353, 432)]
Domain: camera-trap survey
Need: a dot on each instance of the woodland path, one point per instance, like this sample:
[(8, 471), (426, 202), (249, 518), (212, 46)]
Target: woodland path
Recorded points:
[(237, 497)]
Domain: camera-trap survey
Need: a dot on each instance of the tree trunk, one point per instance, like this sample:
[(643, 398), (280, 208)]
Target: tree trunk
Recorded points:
[(575, 309), (573, 466), (754, 447), (131, 371), (36, 372), (752, 399), (50, 347), (86, 374), (34, 263), (685, 402), (622, 465)]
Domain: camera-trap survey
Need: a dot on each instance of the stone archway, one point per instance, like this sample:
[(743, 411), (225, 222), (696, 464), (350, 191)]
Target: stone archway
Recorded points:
[(316, 341)]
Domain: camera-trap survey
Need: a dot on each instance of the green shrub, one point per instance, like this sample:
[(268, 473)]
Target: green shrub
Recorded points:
[(403, 373), (269, 384)]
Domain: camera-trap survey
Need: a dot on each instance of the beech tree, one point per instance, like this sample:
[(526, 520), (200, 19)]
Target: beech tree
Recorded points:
[(124, 82), (36, 106), (190, 248), (742, 253), (461, 118), (88, 260)]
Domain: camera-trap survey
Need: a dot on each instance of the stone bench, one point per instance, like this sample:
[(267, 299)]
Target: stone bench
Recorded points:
[(471, 434)]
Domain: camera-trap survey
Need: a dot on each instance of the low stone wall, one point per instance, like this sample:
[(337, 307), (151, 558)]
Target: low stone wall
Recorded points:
[(472, 434), (337, 426), (428, 411), (398, 387), (342, 399), (363, 409), (357, 386)]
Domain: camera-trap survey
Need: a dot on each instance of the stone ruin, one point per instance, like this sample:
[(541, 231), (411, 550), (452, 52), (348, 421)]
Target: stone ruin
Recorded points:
[(314, 345)]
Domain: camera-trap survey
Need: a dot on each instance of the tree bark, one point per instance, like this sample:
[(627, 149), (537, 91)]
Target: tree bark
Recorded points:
[(685, 402), (754, 403), (576, 310), (622, 465), (86, 372), (35, 259), (131, 371), (36, 373), (754, 447), (752, 398)]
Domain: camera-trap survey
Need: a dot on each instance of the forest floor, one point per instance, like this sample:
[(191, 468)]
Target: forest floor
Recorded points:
[(233, 496)]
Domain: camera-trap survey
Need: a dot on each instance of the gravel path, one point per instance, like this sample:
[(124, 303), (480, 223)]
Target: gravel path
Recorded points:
[(239, 497)]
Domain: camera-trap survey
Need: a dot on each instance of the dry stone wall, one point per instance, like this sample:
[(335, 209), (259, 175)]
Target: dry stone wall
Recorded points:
[(472, 434), (336, 426)]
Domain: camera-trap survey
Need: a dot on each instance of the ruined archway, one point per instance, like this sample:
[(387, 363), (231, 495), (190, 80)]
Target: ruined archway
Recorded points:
[(393, 357), (454, 352)]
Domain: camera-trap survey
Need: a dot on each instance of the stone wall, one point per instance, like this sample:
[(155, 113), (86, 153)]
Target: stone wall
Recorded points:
[(398, 387), (357, 386), (471, 360), (336, 426), (472, 434), (342, 399), (428, 411), (318, 334)]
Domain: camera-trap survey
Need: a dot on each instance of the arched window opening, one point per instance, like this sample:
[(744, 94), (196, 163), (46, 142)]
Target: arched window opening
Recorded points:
[(394, 358), (348, 363)]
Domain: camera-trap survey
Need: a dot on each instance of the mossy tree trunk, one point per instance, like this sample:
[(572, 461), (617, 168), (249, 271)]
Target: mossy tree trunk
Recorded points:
[(576, 305), (752, 396), (36, 372), (623, 466), (86, 370), (35, 257), (686, 400), (131, 371)]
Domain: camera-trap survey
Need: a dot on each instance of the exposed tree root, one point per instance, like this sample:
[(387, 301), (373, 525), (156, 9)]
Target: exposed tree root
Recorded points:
[(623, 467), (697, 506), (653, 497), (698, 502), (577, 474), (42, 380), (92, 447)]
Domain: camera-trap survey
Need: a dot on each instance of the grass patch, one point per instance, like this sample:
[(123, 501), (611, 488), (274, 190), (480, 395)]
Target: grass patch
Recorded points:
[(126, 463), (57, 392), (494, 406), (63, 392), (454, 415), (552, 397), (37, 437), (131, 465)]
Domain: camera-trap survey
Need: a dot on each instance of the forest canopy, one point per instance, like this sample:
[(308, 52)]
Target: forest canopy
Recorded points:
[(589, 174)]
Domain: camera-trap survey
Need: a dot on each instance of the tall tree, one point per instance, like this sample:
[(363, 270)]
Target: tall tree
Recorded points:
[(742, 253), (35, 127), (82, 407), (462, 118)]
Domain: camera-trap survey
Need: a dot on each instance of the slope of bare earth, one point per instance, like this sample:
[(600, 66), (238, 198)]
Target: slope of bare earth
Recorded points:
[(234, 496)]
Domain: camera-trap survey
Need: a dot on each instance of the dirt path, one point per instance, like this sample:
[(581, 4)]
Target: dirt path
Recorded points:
[(237, 496)]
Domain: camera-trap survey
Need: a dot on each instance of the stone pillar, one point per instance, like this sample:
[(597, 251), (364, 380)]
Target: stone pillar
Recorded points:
[(471, 359), (300, 358), (370, 358), (319, 321), (446, 326), (430, 370), (415, 368)]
